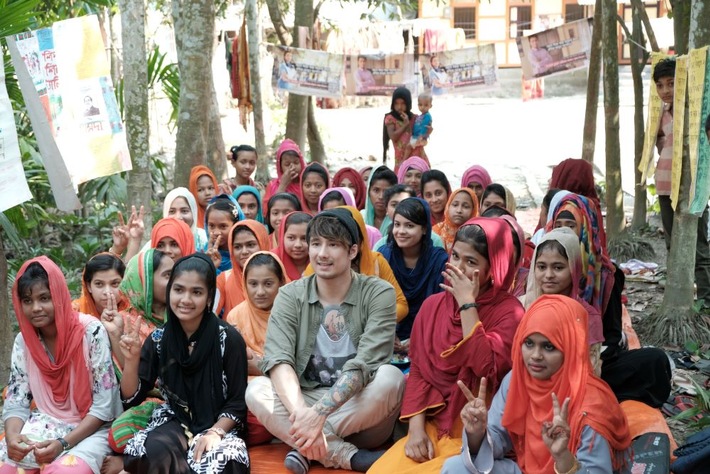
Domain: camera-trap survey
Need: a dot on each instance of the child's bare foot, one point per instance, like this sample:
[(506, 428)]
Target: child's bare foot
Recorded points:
[(113, 464)]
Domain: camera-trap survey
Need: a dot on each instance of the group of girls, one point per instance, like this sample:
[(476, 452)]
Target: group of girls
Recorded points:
[(175, 333)]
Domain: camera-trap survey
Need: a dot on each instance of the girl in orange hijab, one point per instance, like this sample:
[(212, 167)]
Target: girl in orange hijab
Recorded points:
[(551, 410), (102, 275), (203, 185), (172, 237), (461, 206), (245, 238)]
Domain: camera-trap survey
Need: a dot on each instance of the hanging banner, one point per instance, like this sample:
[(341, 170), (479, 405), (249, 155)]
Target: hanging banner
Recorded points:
[(702, 168), (679, 90), (647, 167), (557, 50), (67, 75), (13, 184), (460, 71), (379, 74), (308, 72), (696, 79)]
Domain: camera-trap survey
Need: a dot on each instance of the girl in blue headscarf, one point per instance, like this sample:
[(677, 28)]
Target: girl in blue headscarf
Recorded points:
[(417, 264), (249, 200)]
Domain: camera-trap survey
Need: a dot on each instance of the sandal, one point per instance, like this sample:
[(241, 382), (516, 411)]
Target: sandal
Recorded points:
[(679, 404)]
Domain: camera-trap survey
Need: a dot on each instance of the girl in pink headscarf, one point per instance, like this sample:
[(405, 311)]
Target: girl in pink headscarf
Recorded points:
[(410, 173), (289, 165), (477, 179)]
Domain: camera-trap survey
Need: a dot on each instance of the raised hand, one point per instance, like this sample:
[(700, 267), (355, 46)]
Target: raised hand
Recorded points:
[(556, 433), (136, 225), (213, 249), (475, 414), (111, 318), (464, 289), (120, 235), (131, 341)]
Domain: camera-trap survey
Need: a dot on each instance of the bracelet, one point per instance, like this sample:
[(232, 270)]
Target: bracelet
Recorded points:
[(572, 470), (218, 431), (65, 444), (466, 306)]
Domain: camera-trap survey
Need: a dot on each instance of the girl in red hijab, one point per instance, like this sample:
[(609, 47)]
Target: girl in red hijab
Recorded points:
[(293, 248), (289, 164), (551, 410), (351, 179), (464, 333), (61, 360)]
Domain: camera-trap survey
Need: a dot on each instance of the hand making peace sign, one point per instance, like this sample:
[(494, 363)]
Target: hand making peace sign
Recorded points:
[(556, 433), (475, 414), (111, 318), (131, 341), (213, 249)]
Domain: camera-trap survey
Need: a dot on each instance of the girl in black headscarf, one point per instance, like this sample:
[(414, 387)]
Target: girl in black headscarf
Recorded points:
[(200, 364), (397, 127)]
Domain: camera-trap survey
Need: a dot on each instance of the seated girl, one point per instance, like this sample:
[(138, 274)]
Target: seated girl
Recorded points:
[(410, 173), (336, 197), (314, 180), (461, 206), (102, 276), (476, 178), (375, 212), (173, 237), (436, 191), (249, 200), (551, 411), (222, 213), (289, 164), (61, 361), (203, 186), (416, 263), (557, 270), (180, 204), (464, 333), (200, 364), (293, 247), (500, 196), (350, 178), (280, 205), (245, 238)]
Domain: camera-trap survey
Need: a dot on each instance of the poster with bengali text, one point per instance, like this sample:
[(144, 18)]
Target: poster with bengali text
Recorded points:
[(379, 74), (460, 71), (308, 72), (13, 184), (557, 50), (702, 173), (71, 76)]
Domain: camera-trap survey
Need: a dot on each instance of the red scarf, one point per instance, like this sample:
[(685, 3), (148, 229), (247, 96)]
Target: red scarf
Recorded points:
[(355, 178), (69, 367), (280, 251)]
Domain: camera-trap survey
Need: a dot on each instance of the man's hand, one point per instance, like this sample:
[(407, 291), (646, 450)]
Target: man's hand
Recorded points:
[(307, 432)]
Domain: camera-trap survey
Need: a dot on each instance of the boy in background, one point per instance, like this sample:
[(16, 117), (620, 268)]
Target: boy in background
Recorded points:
[(663, 77)]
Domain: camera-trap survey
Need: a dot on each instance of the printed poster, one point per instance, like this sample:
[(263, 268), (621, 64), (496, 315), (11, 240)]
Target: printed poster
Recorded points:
[(557, 50), (460, 71), (679, 90), (67, 68), (379, 74), (702, 169), (13, 184), (308, 72)]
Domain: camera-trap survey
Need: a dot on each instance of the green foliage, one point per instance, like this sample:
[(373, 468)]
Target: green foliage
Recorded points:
[(702, 408), (17, 16)]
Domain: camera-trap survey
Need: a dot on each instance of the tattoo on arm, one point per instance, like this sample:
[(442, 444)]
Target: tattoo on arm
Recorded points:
[(349, 384)]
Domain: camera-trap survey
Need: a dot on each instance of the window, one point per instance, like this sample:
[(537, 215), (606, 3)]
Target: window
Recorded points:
[(574, 12), (465, 18), (519, 19)]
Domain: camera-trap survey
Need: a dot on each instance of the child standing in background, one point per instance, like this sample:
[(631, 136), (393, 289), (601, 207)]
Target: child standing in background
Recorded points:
[(422, 124)]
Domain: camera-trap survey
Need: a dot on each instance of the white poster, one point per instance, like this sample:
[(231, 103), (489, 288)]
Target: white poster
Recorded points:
[(13, 184)]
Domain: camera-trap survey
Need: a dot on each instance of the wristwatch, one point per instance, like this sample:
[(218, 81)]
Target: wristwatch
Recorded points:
[(466, 306), (64, 443), (218, 431)]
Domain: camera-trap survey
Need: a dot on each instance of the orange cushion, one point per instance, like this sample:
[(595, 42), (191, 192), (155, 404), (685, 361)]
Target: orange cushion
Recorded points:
[(269, 459), (645, 419)]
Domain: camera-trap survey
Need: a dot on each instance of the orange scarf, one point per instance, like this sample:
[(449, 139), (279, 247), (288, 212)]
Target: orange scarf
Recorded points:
[(176, 230), (69, 371), (233, 280), (592, 403), (250, 321), (447, 229), (196, 173), (85, 303)]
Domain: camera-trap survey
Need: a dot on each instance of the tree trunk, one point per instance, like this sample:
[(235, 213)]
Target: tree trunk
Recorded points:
[(640, 10), (315, 143), (638, 60), (297, 115), (216, 150), (135, 100), (194, 23), (615, 221), (6, 332), (277, 20), (262, 163), (116, 47), (595, 63), (676, 321)]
